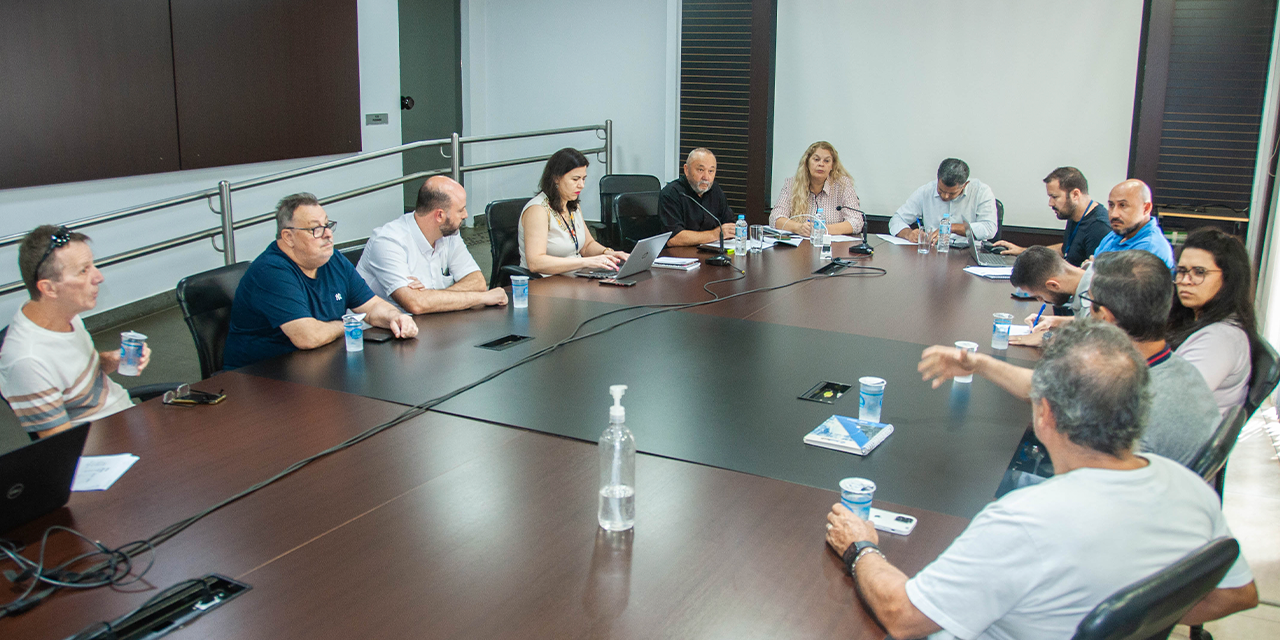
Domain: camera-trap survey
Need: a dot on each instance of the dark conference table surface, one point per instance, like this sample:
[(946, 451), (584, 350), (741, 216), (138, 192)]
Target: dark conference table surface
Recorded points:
[(448, 527), (715, 388)]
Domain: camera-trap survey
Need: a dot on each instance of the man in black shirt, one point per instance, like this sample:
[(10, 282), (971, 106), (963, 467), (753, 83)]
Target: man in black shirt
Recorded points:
[(1087, 221), (693, 207)]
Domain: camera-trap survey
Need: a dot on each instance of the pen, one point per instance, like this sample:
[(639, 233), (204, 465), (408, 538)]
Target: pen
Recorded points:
[(1038, 314)]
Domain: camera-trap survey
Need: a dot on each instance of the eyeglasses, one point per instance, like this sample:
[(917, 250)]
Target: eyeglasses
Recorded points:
[(58, 240), (317, 232), (1195, 275), (1093, 302), (185, 396)]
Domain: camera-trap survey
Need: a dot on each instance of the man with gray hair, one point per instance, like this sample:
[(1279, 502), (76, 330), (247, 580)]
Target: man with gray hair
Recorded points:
[(1132, 290), (295, 293), (693, 207), (1035, 562), (971, 205)]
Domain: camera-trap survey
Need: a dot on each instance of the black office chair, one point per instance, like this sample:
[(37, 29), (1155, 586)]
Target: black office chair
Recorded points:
[(999, 220), (352, 249), (637, 216), (503, 219), (206, 300), (609, 234), (1149, 609), (1265, 376), (1211, 460)]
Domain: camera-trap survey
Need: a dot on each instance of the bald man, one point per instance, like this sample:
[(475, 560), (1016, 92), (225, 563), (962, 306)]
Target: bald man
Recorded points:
[(419, 262), (693, 207), (1132, 225)]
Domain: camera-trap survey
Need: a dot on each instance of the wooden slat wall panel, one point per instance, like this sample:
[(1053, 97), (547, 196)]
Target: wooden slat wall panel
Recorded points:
[(1218, 61), (715, 68)]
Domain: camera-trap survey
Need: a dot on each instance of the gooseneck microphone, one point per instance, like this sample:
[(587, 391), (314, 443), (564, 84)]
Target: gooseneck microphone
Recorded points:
[(864, 248), (721, 260)]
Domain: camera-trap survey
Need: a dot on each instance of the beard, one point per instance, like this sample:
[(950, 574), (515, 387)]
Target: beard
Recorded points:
[(447, 230), (701, 188)]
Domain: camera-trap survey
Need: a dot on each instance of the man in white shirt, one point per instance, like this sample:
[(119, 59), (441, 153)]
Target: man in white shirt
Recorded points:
[(1035, 562), (970, 203), (420, 263), (49, 371)]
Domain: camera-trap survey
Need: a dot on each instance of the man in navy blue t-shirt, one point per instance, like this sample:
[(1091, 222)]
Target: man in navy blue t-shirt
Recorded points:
[(294, 295)]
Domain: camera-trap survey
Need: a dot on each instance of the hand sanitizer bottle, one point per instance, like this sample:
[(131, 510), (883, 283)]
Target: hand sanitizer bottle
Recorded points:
[(617, 508)]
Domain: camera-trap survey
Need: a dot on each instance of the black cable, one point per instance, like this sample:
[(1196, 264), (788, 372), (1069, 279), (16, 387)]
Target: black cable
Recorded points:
[(133, 549), (114, 570)]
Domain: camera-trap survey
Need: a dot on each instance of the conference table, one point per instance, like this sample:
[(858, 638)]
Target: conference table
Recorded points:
[(477, 518)]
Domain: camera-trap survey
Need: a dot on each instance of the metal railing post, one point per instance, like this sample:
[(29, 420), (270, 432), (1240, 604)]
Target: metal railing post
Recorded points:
[(608, 147), (228, 225), (455, 159)]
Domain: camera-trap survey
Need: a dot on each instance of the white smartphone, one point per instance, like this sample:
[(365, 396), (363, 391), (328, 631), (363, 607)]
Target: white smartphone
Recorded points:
[(898, 523)]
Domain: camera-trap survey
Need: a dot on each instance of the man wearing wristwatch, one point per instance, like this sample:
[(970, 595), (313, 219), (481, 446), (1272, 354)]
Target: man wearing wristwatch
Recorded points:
[(1035, 562)]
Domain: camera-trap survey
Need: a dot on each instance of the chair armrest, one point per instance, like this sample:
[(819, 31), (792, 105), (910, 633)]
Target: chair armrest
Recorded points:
[(517, 270)]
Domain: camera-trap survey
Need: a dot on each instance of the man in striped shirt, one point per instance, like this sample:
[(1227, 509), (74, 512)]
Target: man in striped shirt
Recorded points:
[(49, 372)]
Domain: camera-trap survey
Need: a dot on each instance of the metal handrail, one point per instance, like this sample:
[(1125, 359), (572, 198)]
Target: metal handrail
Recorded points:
[(225, 189)]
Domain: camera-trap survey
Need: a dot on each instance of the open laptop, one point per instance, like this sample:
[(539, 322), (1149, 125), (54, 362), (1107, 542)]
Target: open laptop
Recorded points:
[(986, 258), (641, 259), (36, 479)]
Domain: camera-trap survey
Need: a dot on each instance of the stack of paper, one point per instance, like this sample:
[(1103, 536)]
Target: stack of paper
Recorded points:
[(991, 273), (682, 264)]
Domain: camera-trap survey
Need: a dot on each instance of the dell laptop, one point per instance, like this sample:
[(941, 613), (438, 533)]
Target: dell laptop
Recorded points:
[(641, 259), (36, 479)]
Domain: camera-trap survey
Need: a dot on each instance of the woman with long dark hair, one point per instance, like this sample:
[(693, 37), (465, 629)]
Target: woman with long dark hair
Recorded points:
[(553, 236), (1212, 323)]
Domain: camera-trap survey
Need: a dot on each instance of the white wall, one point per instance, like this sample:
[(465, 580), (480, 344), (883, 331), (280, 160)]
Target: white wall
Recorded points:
[(544, 64), (22, 209), (1014, 88)]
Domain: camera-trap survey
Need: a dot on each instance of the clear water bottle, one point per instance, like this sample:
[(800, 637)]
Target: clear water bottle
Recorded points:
[(617, 508), (824, 239), (814, 238), (944, 233), (740, 236)]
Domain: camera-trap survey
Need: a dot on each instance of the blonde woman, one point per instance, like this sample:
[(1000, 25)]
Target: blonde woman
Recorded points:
[(821, 182)]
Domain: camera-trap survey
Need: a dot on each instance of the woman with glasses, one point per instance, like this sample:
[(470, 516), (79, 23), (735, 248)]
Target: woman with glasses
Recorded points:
[(553, 236), (1212, 323), (821, 184)]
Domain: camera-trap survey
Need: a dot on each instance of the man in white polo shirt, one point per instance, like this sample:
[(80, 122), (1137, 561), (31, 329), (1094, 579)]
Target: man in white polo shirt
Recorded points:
[(420, 263)]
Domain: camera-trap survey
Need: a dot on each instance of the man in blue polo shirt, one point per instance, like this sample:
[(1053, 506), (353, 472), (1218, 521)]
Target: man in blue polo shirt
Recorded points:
[(1132, 226), (294, 295)]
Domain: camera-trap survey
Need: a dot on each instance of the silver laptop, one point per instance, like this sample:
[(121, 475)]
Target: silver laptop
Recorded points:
[(641, 259), (986, 258), (36, 479)]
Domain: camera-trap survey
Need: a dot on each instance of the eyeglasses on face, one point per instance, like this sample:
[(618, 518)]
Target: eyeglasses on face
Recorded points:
[(1088, 297), (318, 231), (1195, 275), (58, 240)]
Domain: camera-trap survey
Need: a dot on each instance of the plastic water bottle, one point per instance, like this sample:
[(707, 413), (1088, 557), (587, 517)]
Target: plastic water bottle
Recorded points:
[(740, 236), (944, 233), (824, 239), (617, 509), (814, 238)]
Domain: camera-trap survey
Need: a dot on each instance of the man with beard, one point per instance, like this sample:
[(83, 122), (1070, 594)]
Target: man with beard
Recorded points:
[(295, 293), (1043, 273), (1132, 226), (693, 207), (1086, 218), (420, 263)]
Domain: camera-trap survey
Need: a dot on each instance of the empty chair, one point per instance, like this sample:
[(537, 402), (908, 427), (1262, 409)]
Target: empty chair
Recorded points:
[(206, 300), (637, 215), (352, 250), (610, 186), (1265, 376), (503, 220), (1150, 608)]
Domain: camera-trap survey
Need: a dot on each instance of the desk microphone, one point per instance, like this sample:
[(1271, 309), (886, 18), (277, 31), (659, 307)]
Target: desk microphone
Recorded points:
[(864, 248), (721, 260)]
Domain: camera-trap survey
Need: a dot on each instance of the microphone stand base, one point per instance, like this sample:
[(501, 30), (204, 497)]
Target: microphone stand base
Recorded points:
[(718, 261)]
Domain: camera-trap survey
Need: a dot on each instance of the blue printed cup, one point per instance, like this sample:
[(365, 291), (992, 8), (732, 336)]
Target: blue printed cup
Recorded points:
[(870, 398), (1000, 330), (856, 494), (131, 343), (353, 328), (519, 291)]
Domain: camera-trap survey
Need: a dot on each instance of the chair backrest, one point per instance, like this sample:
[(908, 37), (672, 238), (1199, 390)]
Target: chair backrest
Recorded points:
[(999, 220), (1151, 607), (637, 217), (1213, 454), (353, 252), (503, 219), (206, 300), (612, 185), (1265, 376)]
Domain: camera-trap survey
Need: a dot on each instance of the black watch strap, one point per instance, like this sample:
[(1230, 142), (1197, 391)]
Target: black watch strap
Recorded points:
[(851, 553)]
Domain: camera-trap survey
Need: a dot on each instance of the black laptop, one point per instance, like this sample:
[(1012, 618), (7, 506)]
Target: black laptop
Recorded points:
[(36, 479)]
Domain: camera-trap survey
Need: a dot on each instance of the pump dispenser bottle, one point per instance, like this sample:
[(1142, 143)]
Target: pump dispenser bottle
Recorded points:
[(617, 509)]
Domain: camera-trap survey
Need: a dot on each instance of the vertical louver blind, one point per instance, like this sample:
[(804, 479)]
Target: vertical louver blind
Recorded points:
[(715, 63), (1218, 61)]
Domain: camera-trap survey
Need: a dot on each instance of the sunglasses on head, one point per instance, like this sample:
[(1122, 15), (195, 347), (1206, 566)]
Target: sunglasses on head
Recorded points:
[(58, 240)]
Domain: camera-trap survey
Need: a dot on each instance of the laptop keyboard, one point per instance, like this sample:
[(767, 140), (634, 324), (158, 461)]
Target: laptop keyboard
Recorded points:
[(994, 259)]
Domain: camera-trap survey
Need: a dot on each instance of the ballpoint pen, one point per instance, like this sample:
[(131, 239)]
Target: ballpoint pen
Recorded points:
[(1038, 314)]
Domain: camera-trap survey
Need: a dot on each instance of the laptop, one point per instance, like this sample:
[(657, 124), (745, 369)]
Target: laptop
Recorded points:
[(36, 479), (986, 258), (641, 259)]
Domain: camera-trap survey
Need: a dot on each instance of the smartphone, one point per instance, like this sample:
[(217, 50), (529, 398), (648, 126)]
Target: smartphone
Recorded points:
[(373, 334), (617, 283), (898, 523)]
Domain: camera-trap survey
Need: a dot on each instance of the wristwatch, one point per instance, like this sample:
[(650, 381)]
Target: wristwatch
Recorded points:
[(851, 554)]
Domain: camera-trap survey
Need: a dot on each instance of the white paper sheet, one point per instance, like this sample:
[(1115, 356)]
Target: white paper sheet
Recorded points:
[(98, 473), (893, 239), (991, 273)]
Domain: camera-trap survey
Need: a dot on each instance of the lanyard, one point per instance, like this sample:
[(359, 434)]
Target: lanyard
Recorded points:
[(1066, 247), (573, 233)]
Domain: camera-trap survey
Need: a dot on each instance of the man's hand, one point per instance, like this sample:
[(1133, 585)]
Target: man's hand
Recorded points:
[(146, 357), (1010, 249), (403, 326), (109, 361), (496, 296), (844, 528), (728, 229), (943, 363), (1047, 323), (1033, 339), (416, 284)]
